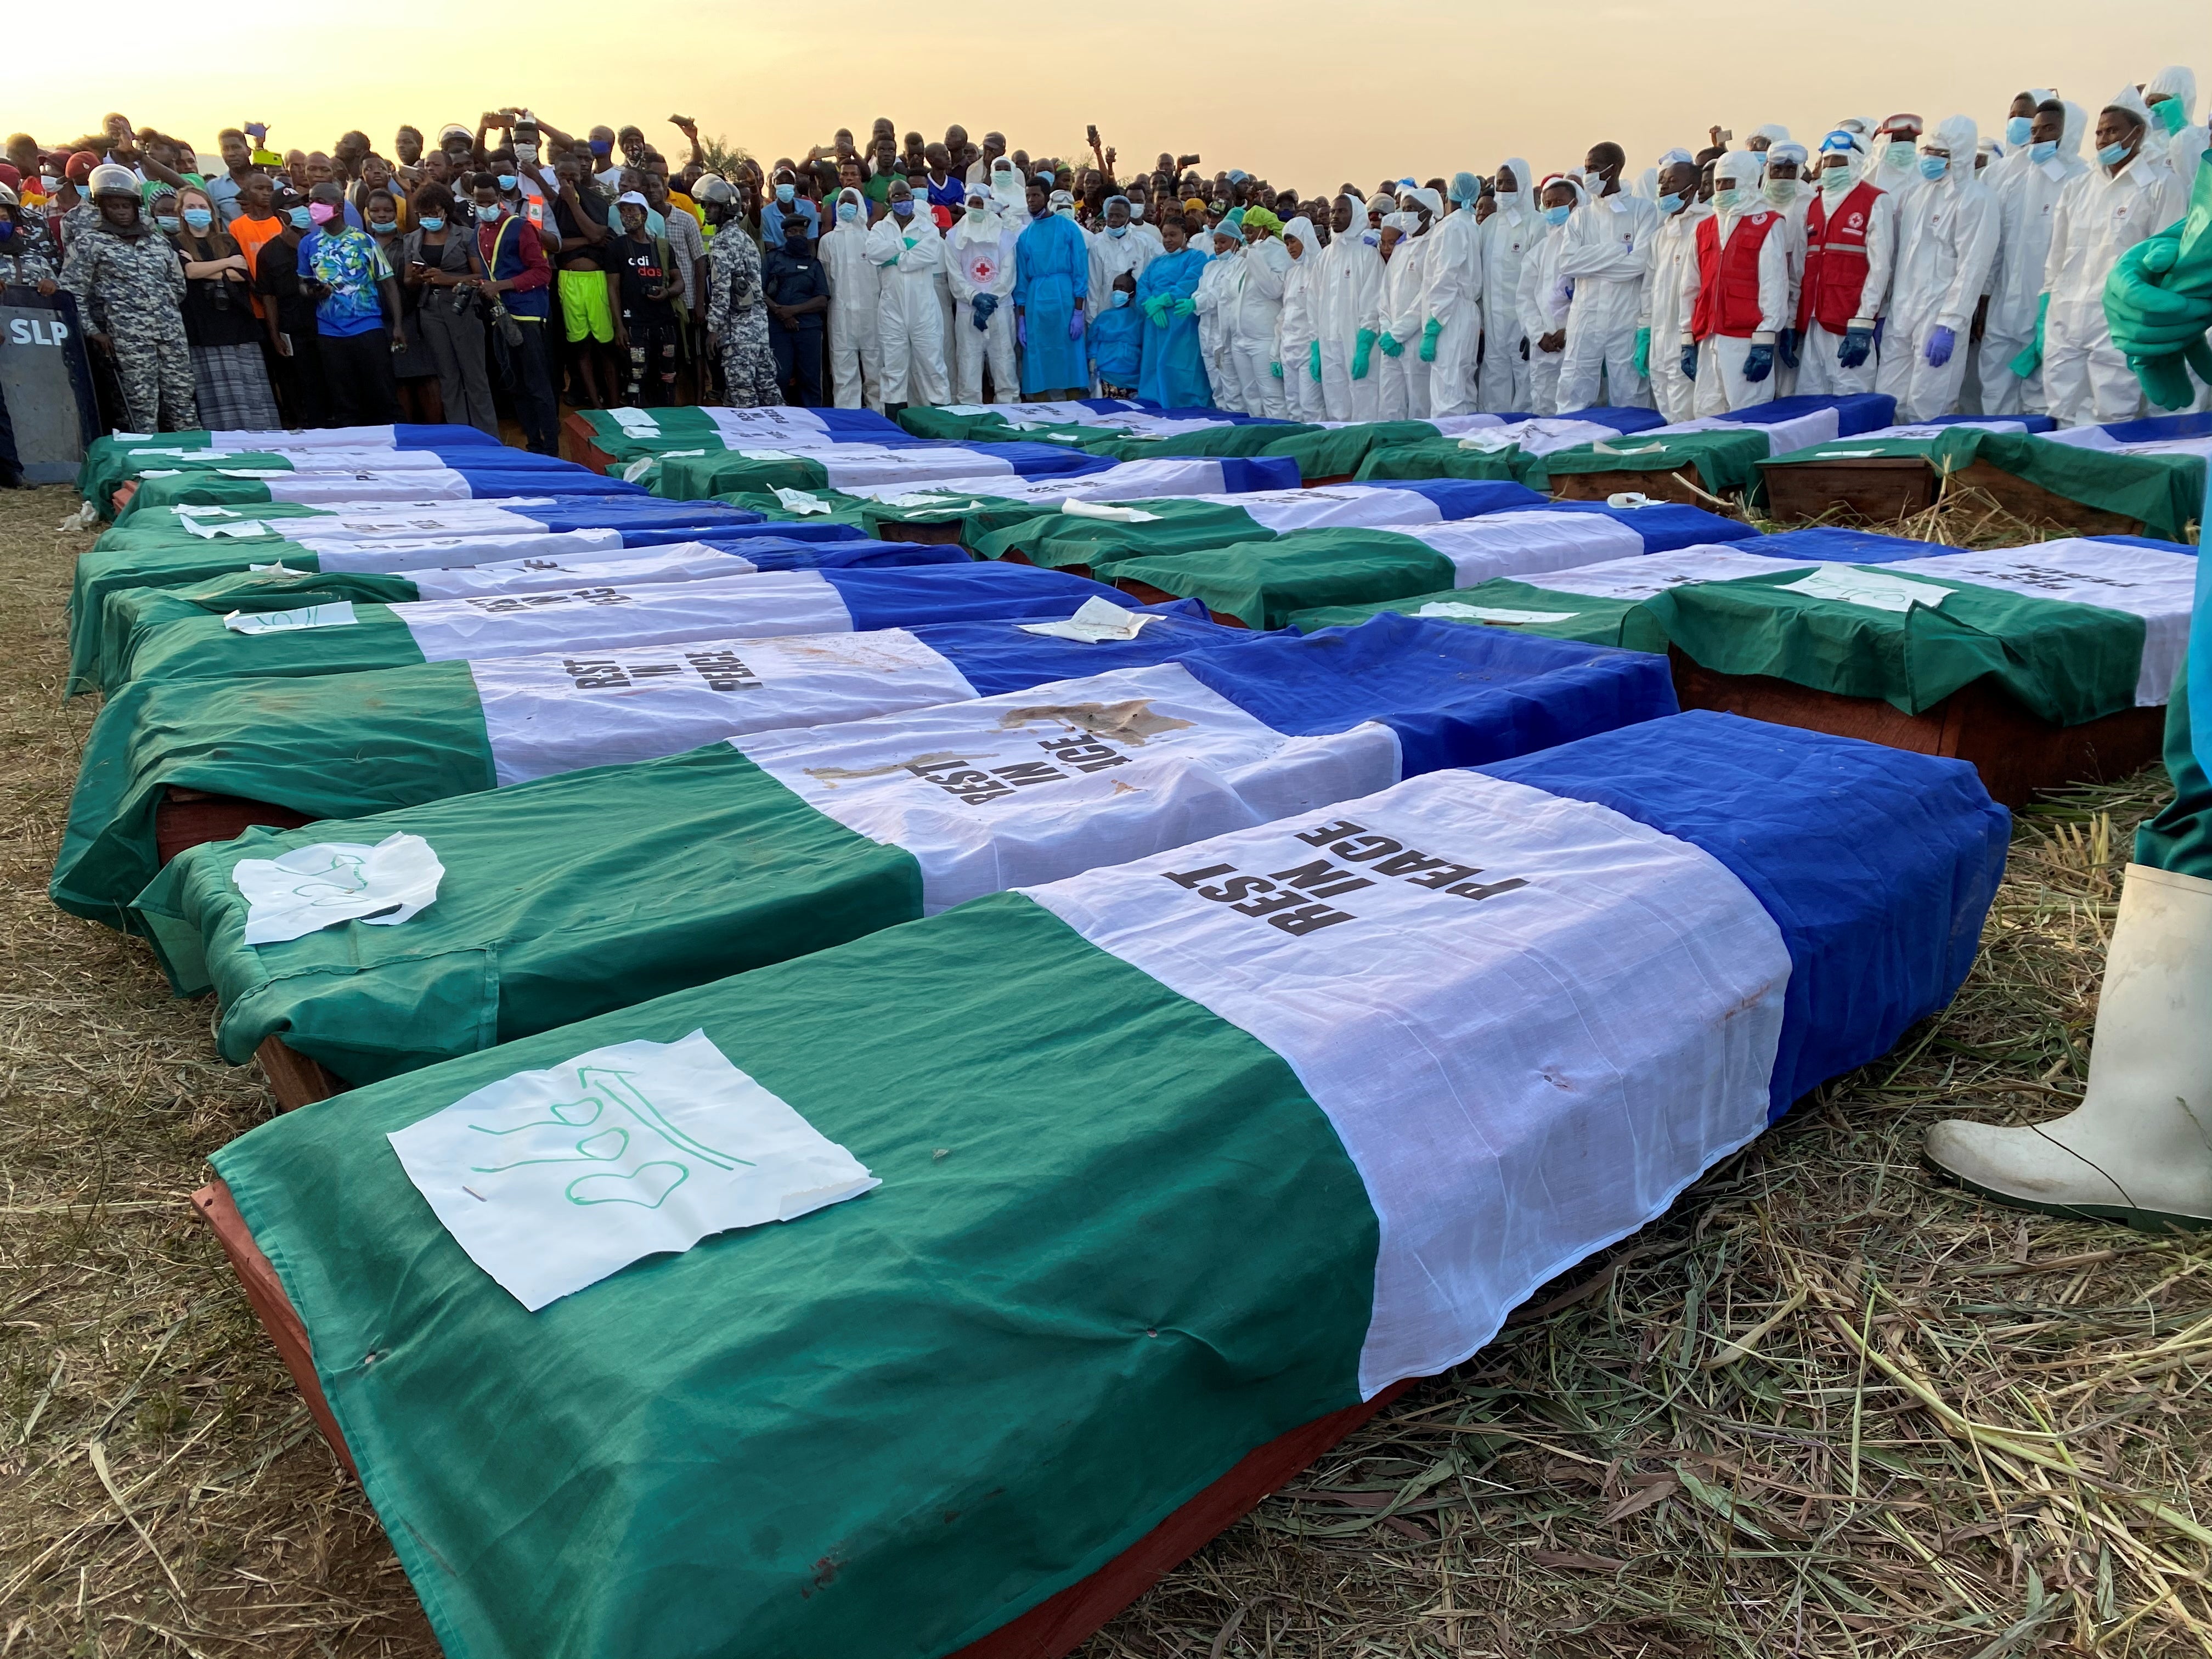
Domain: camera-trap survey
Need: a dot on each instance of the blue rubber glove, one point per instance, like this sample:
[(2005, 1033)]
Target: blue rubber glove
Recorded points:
[(1430, 330), (1788, 345), (1389, 344), (1363, 353), (1313, 358), (1021, 331), (1689, 363), (1857, 346), (1275, 369), (981, 308), (1183, 305), (1759, 364), (1075, 326), (1941, 343)]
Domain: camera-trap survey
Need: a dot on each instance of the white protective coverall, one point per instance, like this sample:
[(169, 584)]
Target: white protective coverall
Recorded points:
[(1666, 315), (1542, 299), (1295, 332), (1404, 393), (855, 295), (1254, 325), (1946, 245), (2027, 207), (1505, 240), (1111, 255), (1606, 252), (2181, 151), (909, 321), (1793, 199), (2100, 215), (1820, 374), (979, 258), (1722, 386), (1351, 301), (1216, 299), (1453, 305)]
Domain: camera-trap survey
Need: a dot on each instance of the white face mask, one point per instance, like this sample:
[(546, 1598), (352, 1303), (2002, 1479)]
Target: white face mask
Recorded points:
[(1508, 200), (1783, 192), (526, 154), (1136, 213)]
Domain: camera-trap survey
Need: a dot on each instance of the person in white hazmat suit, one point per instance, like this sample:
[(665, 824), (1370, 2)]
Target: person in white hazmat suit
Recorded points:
[(1451, 329), (1946, 245), (1736, 291), (1502, 383), (1851, 249), (1216, 299), (855, 297), (978, 264), (2112, 205), (909, 255), (1350, 314), (1298, 346), (1262, 376), (2027, 209), (1674, 268), (1404, 393), (1606, 254), (1543, 298), (1787, 192), (1114, 248), (2176, 136)]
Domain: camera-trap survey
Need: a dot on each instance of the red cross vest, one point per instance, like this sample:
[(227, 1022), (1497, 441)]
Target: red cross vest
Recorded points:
[(1836, 259), (1728, 276)]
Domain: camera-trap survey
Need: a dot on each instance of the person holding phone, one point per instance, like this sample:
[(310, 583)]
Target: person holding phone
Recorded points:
[(442, 267)]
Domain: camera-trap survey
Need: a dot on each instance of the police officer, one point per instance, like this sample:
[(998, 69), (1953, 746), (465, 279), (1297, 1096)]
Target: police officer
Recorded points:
[(798, 292), (130, 284)]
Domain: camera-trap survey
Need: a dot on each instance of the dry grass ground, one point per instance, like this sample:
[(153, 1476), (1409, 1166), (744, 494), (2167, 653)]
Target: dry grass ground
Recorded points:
[(1823, 1407)]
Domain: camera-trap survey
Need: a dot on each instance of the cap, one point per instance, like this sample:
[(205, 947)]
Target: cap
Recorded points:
[(633, 198)]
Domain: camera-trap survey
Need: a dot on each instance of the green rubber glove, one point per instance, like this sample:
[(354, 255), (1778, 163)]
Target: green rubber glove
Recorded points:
[(1156, 309), (1313, 358), (1275, 369), (1363, 353), (2031, 357), (1643, 352), (2157, 301), (1389, 344), (1430, 330), (1184, 306)]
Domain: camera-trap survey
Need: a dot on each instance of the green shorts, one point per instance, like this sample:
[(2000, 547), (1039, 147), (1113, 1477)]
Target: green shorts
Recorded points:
[(584, 307)]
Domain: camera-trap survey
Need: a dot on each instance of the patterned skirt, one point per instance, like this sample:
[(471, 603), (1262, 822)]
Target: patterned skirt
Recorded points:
[(232, 383)]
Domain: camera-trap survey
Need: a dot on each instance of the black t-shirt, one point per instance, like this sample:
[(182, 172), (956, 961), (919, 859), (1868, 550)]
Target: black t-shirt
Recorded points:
[(276, 278), (640, 264), (570, 228), (219, 311)]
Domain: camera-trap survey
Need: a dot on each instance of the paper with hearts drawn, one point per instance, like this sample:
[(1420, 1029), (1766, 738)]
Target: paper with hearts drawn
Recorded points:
[(553, 1180)]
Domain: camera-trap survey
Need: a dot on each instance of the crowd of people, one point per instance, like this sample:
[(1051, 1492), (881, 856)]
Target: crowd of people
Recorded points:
[(512, 266)]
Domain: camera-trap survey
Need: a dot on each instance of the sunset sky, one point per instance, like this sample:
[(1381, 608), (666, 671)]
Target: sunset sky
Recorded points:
[(1422, 87)]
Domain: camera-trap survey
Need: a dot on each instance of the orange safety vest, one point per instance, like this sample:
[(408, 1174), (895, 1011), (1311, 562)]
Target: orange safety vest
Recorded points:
[(1836, 259), (1728, 278)]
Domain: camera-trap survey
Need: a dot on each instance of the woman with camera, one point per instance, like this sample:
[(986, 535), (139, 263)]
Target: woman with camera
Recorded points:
[(441, 266)]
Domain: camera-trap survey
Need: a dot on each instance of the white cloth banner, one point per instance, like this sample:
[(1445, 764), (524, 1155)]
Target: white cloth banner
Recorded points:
[(2160, 587), (1037, 785), (1649, 574), (311, 888), (758, 606), (1525, 544), (400, 556), (599, 706), (673, 561), (1531, 1021), (553, 1180)]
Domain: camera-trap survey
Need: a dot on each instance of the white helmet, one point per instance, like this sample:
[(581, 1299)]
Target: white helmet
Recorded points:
[(109, 179)]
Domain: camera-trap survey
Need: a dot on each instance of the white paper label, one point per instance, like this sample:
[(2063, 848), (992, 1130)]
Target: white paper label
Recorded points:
[(339, 615), (1095, 620), (311, 888), (1082, 509), (801, 501), (1876, 591)]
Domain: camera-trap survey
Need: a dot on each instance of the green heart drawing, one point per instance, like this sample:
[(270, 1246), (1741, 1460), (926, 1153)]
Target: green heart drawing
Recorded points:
[(606, 1146), (646, 1186)]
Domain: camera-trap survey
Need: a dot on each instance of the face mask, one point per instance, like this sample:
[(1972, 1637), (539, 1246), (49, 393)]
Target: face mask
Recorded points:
[(526, 154), (321, 212), (602, 149), (1117, 299), (2044, 151), (432, 221), (1835, 181), (198, 218), (2019, 129), (1136, 213), (166, 220), (2112, 155), (1727, 197), (1508, 200), (507, 182), (1783, 192), (1898, 155), (48, 184), (1556, 216), (1117, 231), (2170, 115), (489, 213), (904, 210), (848, 212), (383, 227), (1670, 205), (784, 193), (1374, 238), (1935, 166), (302, 217)]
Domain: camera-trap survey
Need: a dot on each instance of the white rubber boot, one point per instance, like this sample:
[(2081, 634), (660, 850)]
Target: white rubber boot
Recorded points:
[(2138, 1148)]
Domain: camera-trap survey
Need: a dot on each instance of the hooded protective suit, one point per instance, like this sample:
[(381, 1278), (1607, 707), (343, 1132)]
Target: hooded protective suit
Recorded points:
[(1851, 215), (1295, 335), (1946, 245), (855, 297), (1111, 255), (1607, 250), (1352, 307), (1793, 199), (2012, 158), (1405, 389), (908, 255), (979, 262), (2181, 149), (1052, 279), (1216, 298), (1736, 291), (1542, 300), (1254, 324), (1452, 327), (1504, 239), (2028, 207), (1667, 302), (2102, 214)]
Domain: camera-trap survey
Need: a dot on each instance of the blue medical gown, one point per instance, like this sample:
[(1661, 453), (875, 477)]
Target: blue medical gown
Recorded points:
[(1051, 271), (1174, 372)]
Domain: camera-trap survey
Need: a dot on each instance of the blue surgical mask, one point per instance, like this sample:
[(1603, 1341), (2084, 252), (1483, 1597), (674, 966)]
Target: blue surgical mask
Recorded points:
[(904, 208), (300, 217), (2044, 151), (848, 212), (2112, 155), (198, 218), (489, 213), (784, 193), (432, 221), (1556, 216), (383, 227), (1935, 166), (602, 149), (2019, 129), (1670, 205), (1117, 299), (1117, 231), (166, 220), (507, 182), (1374, 238)]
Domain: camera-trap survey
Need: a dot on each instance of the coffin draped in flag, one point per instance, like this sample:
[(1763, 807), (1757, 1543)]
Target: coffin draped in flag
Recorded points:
[(843, 465), (455, 477)]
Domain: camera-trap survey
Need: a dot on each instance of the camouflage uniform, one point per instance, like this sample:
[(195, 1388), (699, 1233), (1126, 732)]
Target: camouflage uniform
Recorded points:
[(28, 259), (736, 315), (132, 288)]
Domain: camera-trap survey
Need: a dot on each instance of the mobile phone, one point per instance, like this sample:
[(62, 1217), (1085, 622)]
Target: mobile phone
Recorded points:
[(1726, 136)]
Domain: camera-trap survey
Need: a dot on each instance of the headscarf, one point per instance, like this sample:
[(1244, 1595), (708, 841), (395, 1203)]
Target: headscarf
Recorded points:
[(1264, 218), (1303, 228)]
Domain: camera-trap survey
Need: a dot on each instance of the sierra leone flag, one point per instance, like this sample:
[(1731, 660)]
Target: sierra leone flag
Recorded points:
[(344, 745), (633, 516), (625, 436), (715, 472), (108, 467), (983, 422), (101, 454), (386, 479), (1087, 534), (1335, 449), (174, 640), (967, 509), (1512, 450), (1262, 583), (1175, 1156), (773, 845), (1723, 451)]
